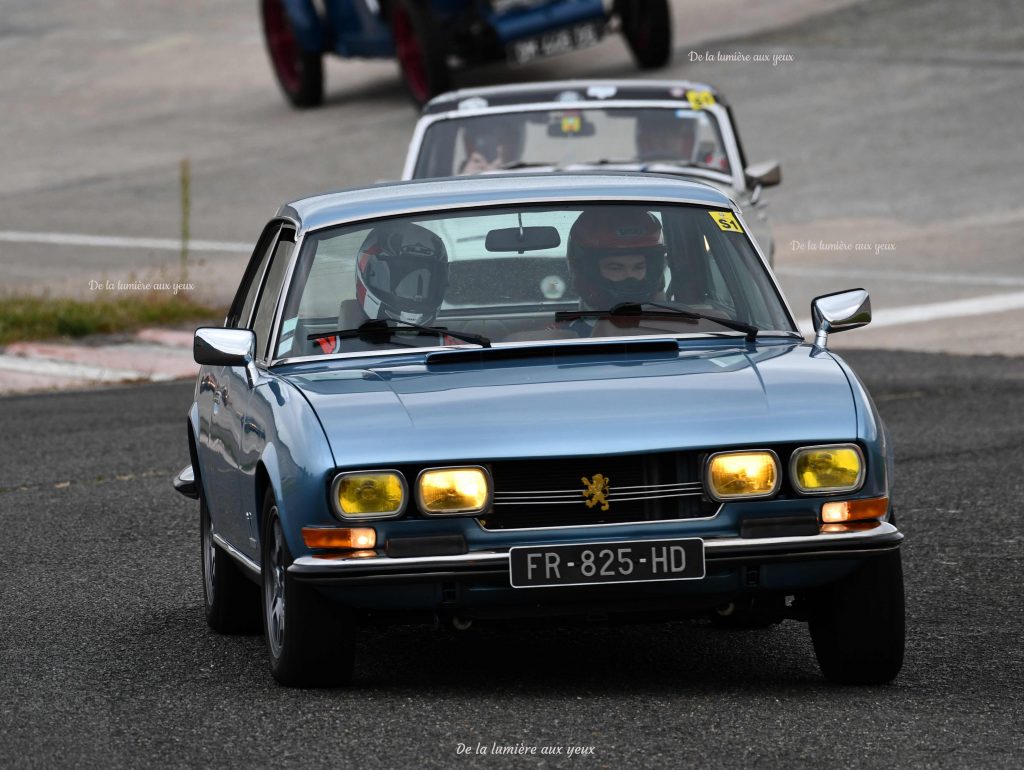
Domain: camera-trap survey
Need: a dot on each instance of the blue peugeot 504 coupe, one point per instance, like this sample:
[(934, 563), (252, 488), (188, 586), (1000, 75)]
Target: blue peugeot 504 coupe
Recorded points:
[(510, 396)]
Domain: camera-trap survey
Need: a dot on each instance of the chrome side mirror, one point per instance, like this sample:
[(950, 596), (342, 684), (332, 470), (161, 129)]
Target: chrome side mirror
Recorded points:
[(839, 312), (216, 346), (766, 174)]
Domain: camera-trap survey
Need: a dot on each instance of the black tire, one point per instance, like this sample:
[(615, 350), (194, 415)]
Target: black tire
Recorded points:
[(300, 73), (232, 601), (750, 613), (420, 51), (647, 27), (858, 625), (310, 641)]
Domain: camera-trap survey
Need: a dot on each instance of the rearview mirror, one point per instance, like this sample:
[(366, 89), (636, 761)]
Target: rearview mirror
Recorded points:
[(839, 312), (520, 239)]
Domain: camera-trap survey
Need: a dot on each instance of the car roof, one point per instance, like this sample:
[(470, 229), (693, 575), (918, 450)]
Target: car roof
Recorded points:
[(556, 90), (396, 198)]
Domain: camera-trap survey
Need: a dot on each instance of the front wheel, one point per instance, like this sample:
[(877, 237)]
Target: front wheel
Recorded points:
[(231, 599), (647, 27), (310, 641), (420, 51), (299, 72), (858, 627)]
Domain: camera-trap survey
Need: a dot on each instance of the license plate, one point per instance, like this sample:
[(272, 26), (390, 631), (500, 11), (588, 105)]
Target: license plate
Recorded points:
[(554, 42), (594, 563)]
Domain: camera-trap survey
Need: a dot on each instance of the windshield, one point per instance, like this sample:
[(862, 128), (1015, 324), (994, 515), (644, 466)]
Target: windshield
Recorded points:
[(565, 137), (511, 274)]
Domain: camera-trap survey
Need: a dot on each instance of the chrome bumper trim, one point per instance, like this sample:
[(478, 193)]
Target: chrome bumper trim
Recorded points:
[(716, 550), (185, 483)]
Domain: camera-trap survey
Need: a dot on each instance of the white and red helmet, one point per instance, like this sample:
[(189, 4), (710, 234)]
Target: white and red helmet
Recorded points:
[(602, 232), (401, 273)]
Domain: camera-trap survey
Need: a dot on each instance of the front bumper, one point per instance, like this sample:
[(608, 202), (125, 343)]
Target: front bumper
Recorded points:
[(493, 565)]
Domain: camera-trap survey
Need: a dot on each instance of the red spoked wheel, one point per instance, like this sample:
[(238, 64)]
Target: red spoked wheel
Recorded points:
[(419, 50), (647, 27), (299, 73)]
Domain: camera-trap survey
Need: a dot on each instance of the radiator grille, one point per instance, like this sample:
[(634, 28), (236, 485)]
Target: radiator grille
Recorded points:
[(550, 492)]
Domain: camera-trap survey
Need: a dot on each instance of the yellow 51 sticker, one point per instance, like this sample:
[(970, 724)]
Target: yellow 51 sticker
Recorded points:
[(700, 99), (726, 221)]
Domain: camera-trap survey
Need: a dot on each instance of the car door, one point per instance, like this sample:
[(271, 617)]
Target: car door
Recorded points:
[(218, 393), (252, 433)]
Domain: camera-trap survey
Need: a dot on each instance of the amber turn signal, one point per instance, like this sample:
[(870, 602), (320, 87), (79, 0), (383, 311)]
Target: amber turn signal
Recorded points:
[(339, 537), (854, 510)]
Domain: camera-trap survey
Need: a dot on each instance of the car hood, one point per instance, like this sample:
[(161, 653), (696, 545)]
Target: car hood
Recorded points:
[(578, 405)]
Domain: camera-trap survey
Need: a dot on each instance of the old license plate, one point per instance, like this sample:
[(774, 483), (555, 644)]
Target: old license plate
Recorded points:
[(619, 562), (554, 42)]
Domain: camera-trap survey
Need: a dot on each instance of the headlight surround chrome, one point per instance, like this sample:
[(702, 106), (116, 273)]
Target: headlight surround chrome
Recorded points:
[(746, 474), (827, 469), (461, 490), (369, 494)]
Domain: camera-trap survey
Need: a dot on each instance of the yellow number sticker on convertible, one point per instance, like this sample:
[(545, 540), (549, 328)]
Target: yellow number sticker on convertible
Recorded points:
[(726, 221), (700, 99)]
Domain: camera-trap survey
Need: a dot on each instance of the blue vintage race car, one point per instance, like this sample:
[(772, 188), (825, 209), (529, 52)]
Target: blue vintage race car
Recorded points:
[(429, 36), (511, 396)]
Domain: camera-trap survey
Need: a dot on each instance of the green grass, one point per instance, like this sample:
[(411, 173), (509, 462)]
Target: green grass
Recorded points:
[(37, 318)]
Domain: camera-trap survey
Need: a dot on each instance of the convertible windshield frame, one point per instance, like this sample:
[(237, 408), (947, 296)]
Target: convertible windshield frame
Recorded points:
[(722, 115), (271, 360)]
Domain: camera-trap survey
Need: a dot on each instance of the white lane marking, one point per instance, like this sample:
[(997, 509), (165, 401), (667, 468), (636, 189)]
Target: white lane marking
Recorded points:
[(957, 308), (959, 279), (69, 369), (117, 242)]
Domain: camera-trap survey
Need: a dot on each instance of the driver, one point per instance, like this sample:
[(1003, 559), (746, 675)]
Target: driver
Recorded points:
[(491, 143), (615, 256), (672, 135)]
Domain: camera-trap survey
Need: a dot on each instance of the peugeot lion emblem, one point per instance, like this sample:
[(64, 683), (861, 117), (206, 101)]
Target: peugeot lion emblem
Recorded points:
[(595, 490)]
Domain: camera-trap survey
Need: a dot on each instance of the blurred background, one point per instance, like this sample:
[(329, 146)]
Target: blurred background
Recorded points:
[(896, 124)]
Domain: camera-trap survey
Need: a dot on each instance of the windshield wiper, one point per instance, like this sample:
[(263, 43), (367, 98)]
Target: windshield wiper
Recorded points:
[(383, 326), (641, 309), (515, 164)]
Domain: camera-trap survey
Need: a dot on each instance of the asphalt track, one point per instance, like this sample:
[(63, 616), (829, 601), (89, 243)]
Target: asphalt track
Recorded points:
[(106, 659)]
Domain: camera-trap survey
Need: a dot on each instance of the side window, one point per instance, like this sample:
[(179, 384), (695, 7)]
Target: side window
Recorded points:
[(272, 285), (245, 298)]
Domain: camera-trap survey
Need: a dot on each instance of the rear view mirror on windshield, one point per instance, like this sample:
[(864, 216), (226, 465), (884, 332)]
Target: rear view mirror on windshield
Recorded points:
[(520, 239)]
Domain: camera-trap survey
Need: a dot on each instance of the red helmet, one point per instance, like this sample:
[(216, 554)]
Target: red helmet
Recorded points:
[(401, 273), (599, 233)]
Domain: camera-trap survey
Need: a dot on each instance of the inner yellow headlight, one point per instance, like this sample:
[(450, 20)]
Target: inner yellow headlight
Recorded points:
[(370, 494), (732, 475), (454, 490), (819, 469)]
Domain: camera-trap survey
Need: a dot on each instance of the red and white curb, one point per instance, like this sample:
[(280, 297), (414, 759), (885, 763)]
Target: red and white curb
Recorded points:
[(152, 355)]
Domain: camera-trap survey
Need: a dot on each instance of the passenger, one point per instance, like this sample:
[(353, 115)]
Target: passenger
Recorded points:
[(492, 144), (402, 274)]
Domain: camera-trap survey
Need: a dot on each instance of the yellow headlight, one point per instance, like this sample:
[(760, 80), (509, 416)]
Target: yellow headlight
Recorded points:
[(820, 469), (454, 490), (370, 494), (732, 475)]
